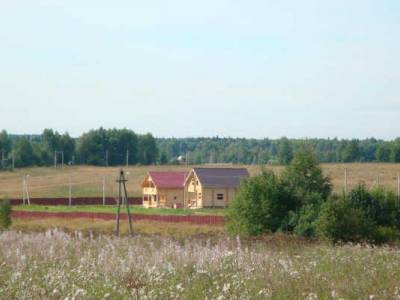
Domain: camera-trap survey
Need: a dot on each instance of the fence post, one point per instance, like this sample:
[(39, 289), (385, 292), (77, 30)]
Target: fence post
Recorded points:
[(23, 189), (398, 186), (70, 192), (104, 190)]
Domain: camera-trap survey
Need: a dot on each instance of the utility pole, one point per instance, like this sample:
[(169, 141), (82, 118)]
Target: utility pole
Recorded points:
[(123, 199), (12, 160), (104, 190), (55, 159), (127, 158), (62, 159), (398, 187), (345, 181), (106, 158), (25, 192), (70, 192)]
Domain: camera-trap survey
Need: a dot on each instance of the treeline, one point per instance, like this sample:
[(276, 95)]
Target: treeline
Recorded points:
[(100, 147), (300, 201), (111, 147), (279, 151)]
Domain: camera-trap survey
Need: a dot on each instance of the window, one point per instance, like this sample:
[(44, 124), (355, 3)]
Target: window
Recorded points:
[(199, 195), (220, 196), (174, 197)]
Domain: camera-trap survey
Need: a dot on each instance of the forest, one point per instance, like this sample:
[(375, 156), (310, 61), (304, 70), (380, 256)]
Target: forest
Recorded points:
[(110, 147)]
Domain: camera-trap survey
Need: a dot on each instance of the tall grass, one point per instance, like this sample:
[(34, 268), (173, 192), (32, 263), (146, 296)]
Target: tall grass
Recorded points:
[(56, 265)]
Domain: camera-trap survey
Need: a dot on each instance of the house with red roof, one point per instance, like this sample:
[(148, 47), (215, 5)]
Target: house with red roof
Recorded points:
[(163, 189)]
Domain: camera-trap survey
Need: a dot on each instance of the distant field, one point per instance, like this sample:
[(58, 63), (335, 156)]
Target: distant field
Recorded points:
[(87, 181)]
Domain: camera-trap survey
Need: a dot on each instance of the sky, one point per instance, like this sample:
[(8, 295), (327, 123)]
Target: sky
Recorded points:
[(202, 68)]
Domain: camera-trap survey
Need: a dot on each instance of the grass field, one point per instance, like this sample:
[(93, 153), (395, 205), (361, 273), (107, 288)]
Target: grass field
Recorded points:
[(112, 209), (88, 180), (95, 227), (58, 265)]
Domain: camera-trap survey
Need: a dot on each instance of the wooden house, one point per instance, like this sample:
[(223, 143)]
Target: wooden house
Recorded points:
[(212, 187), (163, 189)]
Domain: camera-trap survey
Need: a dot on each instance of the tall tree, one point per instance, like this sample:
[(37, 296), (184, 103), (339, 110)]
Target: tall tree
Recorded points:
[(147, 150), (383, 153), (23, 152), (285, 151)]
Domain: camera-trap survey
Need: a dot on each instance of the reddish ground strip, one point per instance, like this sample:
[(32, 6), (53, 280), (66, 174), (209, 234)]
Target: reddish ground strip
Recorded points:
[(76, 201), (200, 220)]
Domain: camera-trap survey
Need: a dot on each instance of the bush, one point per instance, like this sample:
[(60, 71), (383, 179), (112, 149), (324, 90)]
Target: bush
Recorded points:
[(339, 221), (361, 216), (5, 214), (260, 205)]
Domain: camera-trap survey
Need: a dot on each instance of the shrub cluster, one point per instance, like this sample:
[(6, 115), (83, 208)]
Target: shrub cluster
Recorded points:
[(300, 201), (362, 215), (5, 214)]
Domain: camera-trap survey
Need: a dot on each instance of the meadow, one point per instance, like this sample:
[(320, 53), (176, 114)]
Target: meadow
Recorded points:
[(87, 181), (135, 209), (59, 265)]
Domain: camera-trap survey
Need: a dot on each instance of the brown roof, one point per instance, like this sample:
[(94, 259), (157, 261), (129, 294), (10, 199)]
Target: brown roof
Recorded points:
[(221, 177), (168, 179)]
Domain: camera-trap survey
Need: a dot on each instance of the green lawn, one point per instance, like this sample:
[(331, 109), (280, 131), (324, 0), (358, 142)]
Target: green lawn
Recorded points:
[(112, 209)]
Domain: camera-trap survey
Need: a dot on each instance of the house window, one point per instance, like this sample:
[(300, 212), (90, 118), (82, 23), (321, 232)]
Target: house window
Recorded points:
[(220, 196), (199, 195), (174, 197)]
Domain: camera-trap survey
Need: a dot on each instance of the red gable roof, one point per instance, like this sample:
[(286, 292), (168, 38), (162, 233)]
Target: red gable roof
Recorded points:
[(168, 179)]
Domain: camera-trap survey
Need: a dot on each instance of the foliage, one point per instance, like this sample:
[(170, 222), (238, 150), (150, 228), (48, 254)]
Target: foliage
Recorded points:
[(383, 153), (91, 148), (260, 206), (111, 147), (340, 221), (285, 151), (362, 215), (304, 176), (24, 154), (351, 151), (5, 214), (290, 203)]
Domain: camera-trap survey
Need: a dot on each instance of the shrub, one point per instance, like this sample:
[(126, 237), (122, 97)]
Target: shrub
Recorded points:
[(260, 205), (340, 221), (361, 216), (5, 214)]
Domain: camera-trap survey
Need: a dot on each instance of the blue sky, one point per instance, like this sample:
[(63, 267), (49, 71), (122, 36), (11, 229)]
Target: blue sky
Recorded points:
[(202, 68)]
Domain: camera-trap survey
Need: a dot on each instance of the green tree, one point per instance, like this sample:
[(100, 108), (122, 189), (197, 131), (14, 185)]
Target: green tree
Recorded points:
[(285, 151), (163, 158), (92, 147), (23, 152), (304, 175), (351, 152), (5, 142), (260, 205), (383, 153), (395, 152), (147, 149)]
